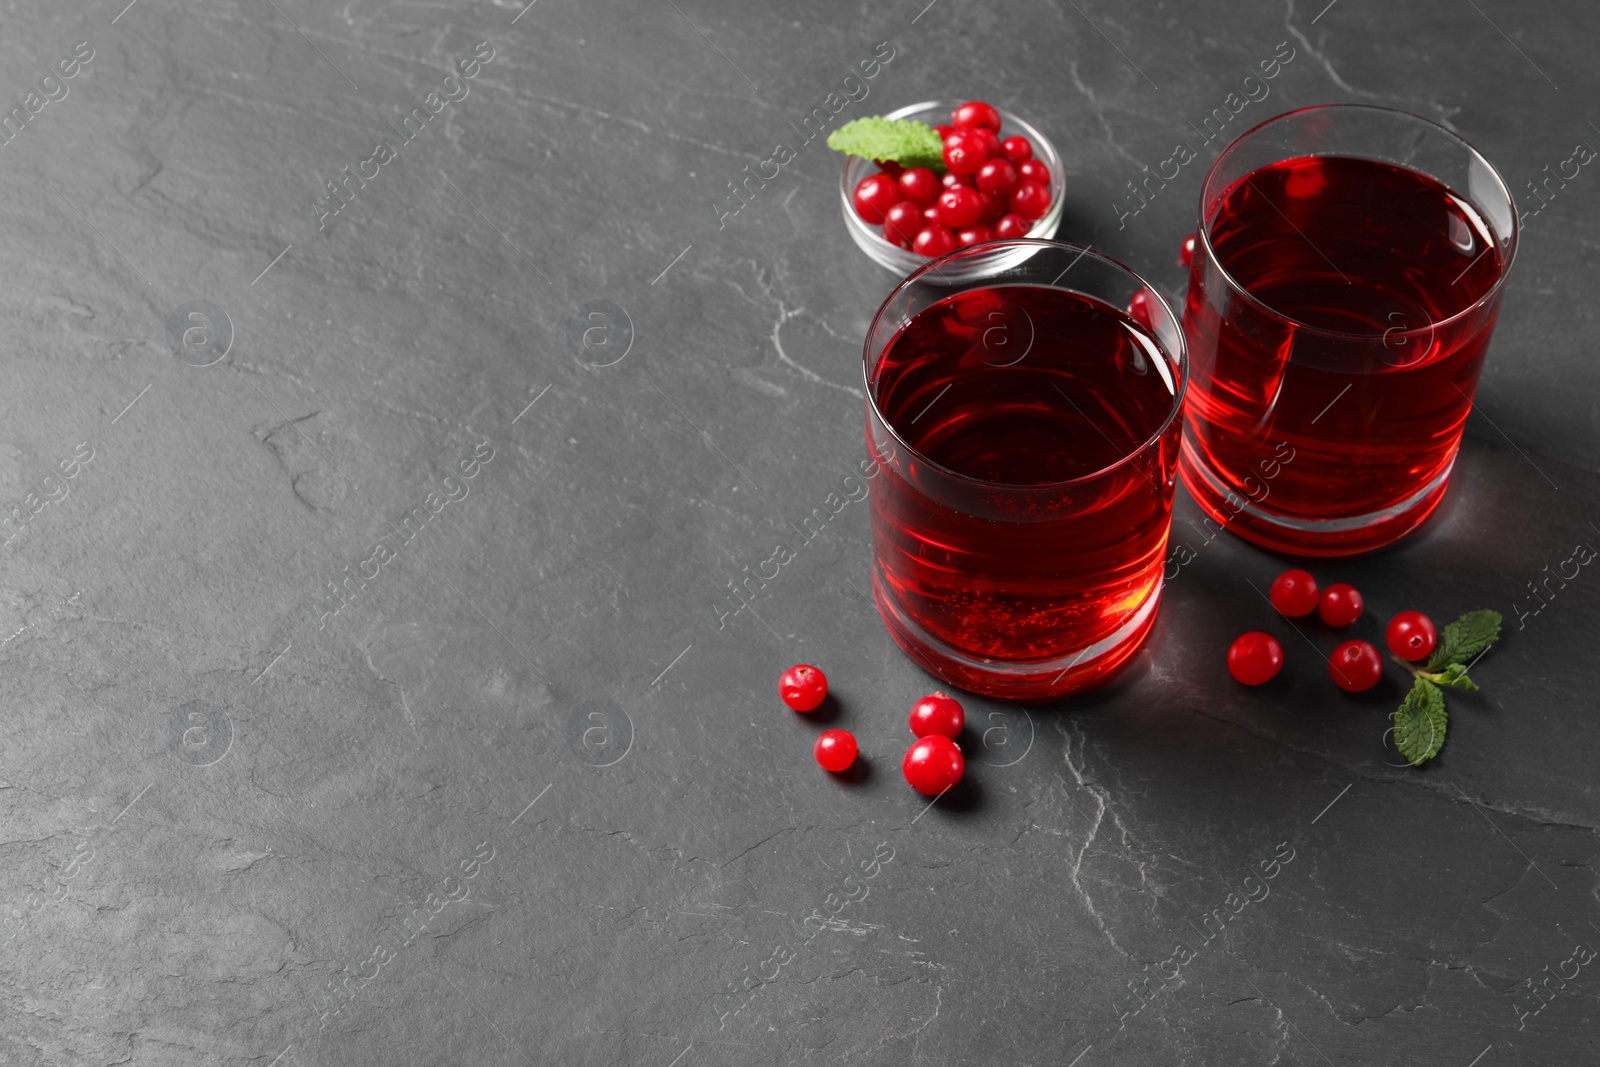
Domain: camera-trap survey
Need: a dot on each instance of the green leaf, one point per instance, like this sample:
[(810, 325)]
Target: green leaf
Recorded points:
[(1465, 638), (1454, 676), (907, 142), (1420, 723)]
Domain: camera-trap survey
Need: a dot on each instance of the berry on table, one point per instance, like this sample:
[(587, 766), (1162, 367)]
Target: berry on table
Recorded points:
[(1411, 635), (960, 206), (1340, 605), (932, 765), (918, 185), (1355, 666), (964, 152), (974, 235), (1294, 593), (1016, 148), (937, 714), (1031, 200), (975, 113), (802, 687), (933, 241), (1141, 309), (1012, 226), (901, 223), (875, 195), (1186, 252), (835, 750), (1032, 170), (996, 176), (1255, 658)]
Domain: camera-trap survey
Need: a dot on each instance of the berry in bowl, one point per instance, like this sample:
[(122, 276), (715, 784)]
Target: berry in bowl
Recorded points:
[(927, 179)]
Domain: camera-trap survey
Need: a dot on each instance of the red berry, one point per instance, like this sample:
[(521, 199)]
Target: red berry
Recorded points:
[(993, 207), (1340, 605), (1012, 226), (974, 235), (964, 152), (960, 206), (802, 687), (1254, 658), (835, 750), (890, 167), (875, 195), (1032, 170), (1411, 635), (944, 131), (937, 714), (976, 113), (951, 180), (997, 176), (934, 241), (1186, 252), (919, 185), (901, 224), (1355, 666), (1294, 593), (988, 139), (1141, 309), (932, 765), (1031, 200), (931, 213), (1016, 148)]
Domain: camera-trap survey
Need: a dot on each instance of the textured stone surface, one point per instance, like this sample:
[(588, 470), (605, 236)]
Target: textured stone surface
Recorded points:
[(218, 802)]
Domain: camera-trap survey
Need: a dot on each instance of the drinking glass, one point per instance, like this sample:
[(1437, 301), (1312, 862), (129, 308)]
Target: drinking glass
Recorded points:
[(1022, 424), (1347, 270)]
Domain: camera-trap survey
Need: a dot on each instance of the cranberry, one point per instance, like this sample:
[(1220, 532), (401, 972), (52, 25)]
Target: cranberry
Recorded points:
[(951, 180), (932, 765), (1294, 593), (976, 113), (1186, 252), (1141, 309), (997, 176), (1031, 200), (960, 206), (1255, 658), (890, 167), (1012, 226), (1355, 666), (1340, 605), (1016, 148), (875, 195), (1411, 635), (931, 213), (993, 207), (937, 714), (944, 131), (919, 185), (987, 138), (934, 241), (802, 687), (835, 750), (974, 235), (901, 223), (964, 152), (1032, 170)]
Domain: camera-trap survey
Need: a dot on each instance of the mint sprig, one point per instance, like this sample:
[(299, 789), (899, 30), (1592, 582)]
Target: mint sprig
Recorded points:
[(1420, 723), (905, 141)]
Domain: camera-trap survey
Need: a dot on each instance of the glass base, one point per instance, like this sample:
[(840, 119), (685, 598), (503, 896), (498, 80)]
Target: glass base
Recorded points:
[(1032, 681), (1307, 537)]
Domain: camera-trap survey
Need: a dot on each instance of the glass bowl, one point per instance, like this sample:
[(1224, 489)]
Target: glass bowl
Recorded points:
[(903, 261)]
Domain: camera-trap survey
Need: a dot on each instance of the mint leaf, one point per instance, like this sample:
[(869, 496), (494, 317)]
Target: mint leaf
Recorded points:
[(1465, 638), (907, 142), (1420, 723), (1454, 676)]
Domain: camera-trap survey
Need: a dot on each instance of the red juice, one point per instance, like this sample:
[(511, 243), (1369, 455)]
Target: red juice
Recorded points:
[(1327, 405), (1011, 525)]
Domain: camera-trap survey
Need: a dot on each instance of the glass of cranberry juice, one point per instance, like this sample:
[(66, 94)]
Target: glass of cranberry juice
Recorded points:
[(1022, 408), (1347, 271)]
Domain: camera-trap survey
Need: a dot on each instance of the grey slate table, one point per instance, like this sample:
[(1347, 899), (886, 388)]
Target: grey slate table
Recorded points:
[(516, 789)]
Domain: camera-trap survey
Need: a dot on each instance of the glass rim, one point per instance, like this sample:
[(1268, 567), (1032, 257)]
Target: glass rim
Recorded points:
[(1180, 359), (1203, 235)]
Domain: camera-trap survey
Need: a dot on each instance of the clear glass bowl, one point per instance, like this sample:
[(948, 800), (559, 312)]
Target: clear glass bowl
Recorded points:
[(935, 113)]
